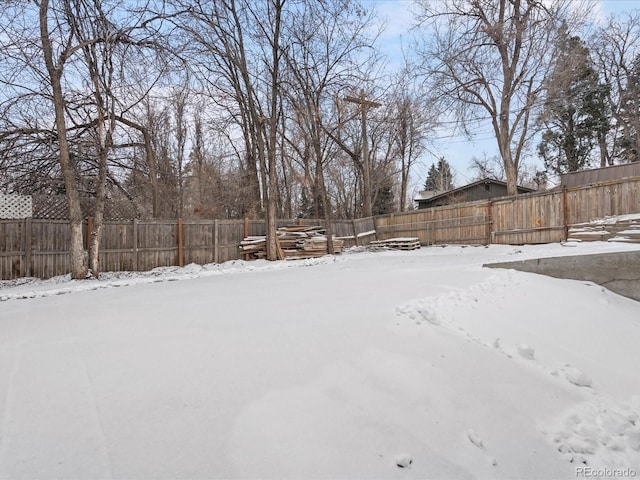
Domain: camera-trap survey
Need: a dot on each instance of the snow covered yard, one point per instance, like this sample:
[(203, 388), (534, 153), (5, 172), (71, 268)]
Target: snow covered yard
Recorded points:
[(338, 367)]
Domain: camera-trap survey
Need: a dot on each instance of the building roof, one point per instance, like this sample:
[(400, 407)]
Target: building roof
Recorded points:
[(482, 181), (428, 194)]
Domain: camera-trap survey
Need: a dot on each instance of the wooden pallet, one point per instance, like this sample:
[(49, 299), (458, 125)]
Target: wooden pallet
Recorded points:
[(404, 243)]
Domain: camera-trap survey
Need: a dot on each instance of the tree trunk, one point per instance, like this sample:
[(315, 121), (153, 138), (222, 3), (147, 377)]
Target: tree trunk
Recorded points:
[(327, 208), (272, 247), (504, 145), (604, 154), (404, 181), (77, 253), (98, 220), (153, 167), (511, 172)]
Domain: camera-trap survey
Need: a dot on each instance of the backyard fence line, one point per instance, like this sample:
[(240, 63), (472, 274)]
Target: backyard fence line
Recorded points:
[(39, 248), (543, 217)]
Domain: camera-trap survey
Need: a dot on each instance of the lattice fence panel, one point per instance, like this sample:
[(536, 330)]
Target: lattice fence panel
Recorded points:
[(15, 206), (50, 207)]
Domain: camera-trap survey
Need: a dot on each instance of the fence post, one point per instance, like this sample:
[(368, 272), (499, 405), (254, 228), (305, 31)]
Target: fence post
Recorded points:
[(216, 251), (246, 234), (355, 232), (26, 243), (490, 223), (565, 212), (180, 244), (135, 244)]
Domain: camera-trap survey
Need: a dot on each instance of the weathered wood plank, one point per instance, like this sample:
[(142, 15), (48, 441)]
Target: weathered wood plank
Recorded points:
[(145, 244)]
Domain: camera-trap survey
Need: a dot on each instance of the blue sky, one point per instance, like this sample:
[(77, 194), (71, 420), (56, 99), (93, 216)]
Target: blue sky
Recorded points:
[(458, 150)]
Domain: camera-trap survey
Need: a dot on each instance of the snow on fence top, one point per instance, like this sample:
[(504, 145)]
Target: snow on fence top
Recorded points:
[(15, 206)]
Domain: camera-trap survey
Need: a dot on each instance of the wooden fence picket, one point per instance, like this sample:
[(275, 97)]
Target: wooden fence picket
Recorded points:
[(35, 247)]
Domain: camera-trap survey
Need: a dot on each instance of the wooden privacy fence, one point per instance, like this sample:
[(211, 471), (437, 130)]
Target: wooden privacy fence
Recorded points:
[(461, 223), (40, 248), (532, 218)]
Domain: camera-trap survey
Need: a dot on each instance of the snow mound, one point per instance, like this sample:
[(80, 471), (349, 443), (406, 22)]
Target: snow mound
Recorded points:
[(601, 434), (525, 351), (27, 288), (577, 377), (573, 375), (419, 311)]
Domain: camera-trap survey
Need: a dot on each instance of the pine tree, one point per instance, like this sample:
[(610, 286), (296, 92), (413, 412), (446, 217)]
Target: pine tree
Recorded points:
[(440, 177), (575, 112), (384, 200), (629, 141)]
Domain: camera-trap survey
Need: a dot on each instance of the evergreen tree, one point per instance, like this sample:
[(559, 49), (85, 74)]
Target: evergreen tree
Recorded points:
[(575, 112), (629, 141), (384, 200), (440, 177)]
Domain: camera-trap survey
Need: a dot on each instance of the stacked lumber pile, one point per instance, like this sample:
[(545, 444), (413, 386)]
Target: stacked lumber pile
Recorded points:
[(402, 243), (293, 243)]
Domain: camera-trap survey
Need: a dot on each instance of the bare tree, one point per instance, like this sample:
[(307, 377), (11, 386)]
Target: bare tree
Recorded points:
[(616, 48), (488, 167), (493, 167), (412, 118), (98, 39), (489, 58), (180, 123), (58, 46), (72, 75), (324, 40), (237, 47)]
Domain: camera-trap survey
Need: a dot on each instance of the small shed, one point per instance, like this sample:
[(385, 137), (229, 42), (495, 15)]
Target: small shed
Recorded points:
[(479, 190)]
